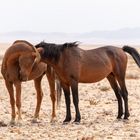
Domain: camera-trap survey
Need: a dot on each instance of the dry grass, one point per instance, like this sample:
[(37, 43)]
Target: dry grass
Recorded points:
[(132, 76), (104, 88), (93, 101)]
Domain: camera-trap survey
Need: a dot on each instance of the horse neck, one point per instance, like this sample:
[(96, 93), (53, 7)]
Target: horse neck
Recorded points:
[(58, 66)]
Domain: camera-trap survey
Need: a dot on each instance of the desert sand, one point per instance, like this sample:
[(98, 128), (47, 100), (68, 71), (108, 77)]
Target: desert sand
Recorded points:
[(98, 107)]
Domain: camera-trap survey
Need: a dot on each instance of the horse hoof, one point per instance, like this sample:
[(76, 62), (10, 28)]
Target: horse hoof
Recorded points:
[(12, 123), (126, 116), (74, 122), (119, 117), (35, 120), (53, 120), (77, 119), (65, 123)]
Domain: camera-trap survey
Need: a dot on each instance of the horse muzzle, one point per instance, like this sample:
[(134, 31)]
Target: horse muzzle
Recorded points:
[(23, 77)]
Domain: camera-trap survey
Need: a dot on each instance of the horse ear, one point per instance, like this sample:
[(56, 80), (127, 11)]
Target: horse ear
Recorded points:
[(40, 50), (65, 44)]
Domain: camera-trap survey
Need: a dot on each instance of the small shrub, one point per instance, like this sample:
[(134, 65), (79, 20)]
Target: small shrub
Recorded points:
[(132, 76), (104, 88)]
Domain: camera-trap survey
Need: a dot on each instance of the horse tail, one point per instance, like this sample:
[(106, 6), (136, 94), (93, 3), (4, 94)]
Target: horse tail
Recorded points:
[(59, 92), (133, 52)]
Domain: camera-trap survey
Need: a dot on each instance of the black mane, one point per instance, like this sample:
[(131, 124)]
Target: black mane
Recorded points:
[(53, 51)]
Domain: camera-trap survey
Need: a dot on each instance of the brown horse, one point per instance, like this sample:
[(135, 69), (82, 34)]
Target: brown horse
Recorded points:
[(74, 65), (21, 63)]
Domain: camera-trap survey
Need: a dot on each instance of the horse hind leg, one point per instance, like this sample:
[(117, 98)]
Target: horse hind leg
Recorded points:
[(18, 100), (10, 89), (37, 83), (124, 94), (117, 91), (51, 80), (119, 72)]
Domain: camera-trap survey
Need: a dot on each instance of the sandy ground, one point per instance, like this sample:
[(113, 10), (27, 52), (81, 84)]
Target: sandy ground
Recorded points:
[(98, 106)]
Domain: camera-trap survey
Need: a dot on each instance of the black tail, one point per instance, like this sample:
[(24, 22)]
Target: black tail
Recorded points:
[(59, 91), (133, 52)]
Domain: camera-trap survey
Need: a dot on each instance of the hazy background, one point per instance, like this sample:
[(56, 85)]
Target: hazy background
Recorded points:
[(88, 21)]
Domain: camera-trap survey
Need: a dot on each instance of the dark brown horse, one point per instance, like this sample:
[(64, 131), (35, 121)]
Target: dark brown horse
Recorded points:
[(21, 63), (74, 65)]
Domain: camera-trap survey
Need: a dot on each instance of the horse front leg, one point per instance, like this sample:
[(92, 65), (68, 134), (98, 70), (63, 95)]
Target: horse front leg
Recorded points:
[(37, 83), (10, 89), (18, 100), (74, 88), (51, 80), (66, 90)]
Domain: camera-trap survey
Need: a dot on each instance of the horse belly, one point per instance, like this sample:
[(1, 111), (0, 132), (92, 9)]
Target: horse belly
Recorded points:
[(94, 75)]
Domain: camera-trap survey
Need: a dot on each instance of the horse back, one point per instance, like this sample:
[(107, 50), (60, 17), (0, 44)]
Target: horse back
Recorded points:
[(96, 64)]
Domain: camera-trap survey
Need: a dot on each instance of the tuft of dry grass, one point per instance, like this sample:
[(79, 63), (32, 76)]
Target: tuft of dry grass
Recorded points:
[(104, 88), (93, 101), (132, 76)]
